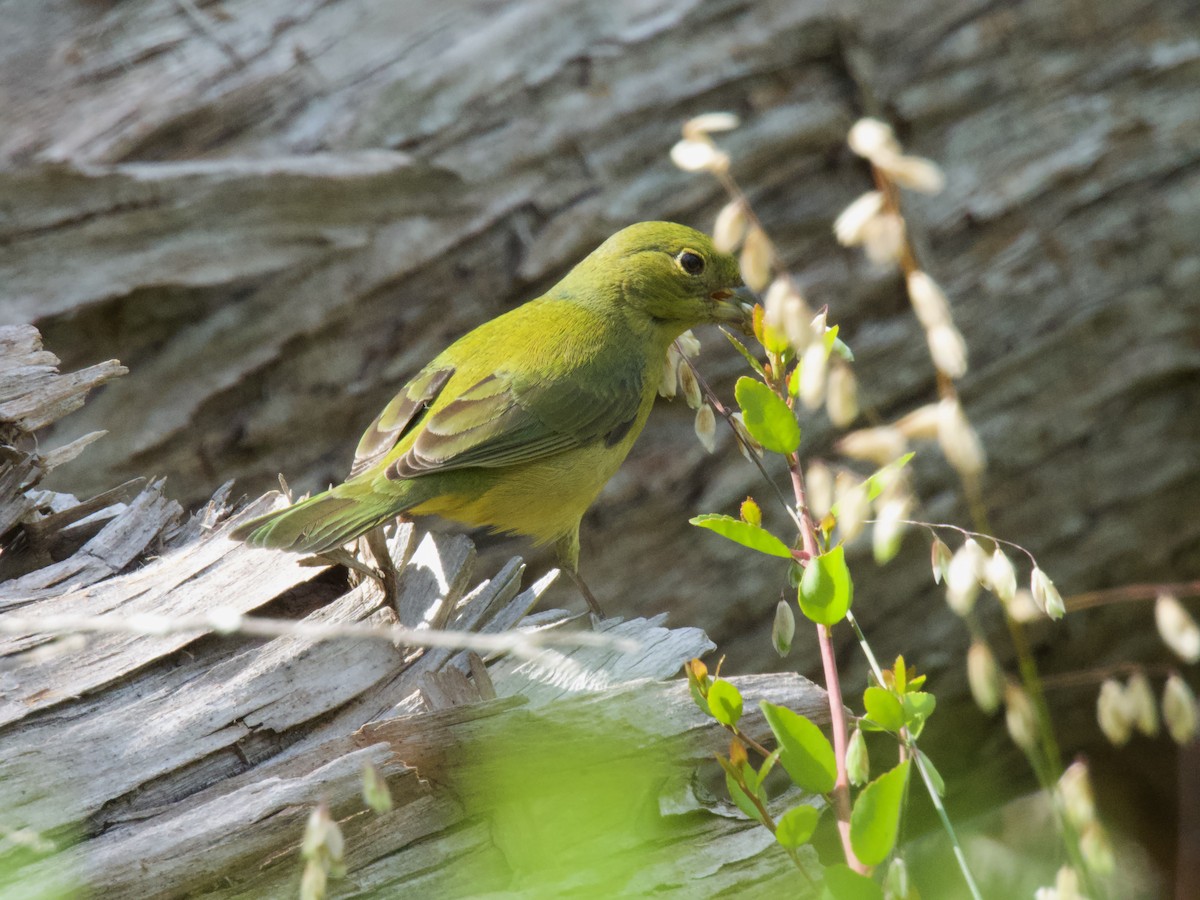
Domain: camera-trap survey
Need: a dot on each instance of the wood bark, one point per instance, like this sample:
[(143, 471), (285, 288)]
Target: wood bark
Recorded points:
[(150, 762), (274, 213)]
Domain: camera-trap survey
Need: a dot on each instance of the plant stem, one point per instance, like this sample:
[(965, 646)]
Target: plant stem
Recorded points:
[(833, 685)]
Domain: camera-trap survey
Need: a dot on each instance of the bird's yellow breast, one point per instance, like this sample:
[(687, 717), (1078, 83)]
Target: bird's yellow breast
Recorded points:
[(544, 499)]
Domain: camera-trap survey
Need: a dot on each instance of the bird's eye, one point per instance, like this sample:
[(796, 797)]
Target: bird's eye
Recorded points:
[(692, 263)]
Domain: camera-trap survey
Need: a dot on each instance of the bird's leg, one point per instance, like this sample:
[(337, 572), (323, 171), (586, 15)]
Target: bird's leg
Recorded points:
[(568, 560), (385, 568), (587, 593)]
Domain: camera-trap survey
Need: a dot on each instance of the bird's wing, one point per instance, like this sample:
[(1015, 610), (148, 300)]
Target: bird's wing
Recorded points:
[(505, 419), (400, 416)]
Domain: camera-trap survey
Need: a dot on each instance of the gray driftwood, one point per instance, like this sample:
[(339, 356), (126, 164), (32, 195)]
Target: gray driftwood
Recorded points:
[(186, 764)]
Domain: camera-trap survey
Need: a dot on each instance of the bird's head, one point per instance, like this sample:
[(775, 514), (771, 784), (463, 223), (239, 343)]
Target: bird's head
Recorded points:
[(670, 274)]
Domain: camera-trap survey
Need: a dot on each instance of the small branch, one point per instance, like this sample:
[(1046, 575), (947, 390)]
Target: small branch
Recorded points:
[(1130, 593), (522, 643)]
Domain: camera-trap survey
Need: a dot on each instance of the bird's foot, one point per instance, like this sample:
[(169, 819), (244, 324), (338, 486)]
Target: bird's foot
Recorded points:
[(592, 602)]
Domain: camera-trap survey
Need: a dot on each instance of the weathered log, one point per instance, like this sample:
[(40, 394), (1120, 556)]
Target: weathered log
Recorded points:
[(169, 754)]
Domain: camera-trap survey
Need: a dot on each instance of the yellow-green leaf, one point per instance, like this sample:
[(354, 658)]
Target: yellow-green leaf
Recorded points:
[(883, 708), (766, 416), (797, 825), (753, 536), (826, 590), (725, 702), (875, 819), (806, 753)]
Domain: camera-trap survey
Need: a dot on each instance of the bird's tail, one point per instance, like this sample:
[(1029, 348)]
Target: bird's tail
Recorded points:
[(318, 524)]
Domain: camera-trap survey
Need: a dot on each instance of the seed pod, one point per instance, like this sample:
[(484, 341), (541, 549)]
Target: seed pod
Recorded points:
[(783, 630), (1177, 628), (1001, 576), (983, 677), (1113, 713), (706, 428), (850, 227), (1179, 710), (1020, 718), (730, 226)]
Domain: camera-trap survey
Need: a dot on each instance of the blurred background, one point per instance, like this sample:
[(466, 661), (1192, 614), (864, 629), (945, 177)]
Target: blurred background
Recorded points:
[(274, 212)]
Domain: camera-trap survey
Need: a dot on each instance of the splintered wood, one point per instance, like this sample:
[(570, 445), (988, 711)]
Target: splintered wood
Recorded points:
[(185, 761)]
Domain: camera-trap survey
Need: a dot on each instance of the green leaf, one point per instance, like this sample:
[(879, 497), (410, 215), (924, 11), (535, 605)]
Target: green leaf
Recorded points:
[(875, 819), (935, 776), (826, 590), (746, 354), (843, 883), (766, 416), (918, 707), (793, 382), (796, 826), (752, 536), (725, 702), (806, 755), (883, 708), (742, 799), (882, 477)]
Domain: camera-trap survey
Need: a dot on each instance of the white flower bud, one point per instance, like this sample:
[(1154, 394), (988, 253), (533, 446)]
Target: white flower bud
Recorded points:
[(920, 424), (706, 123), (1045, 594), (948, 350), (1023, 609), (1179, 710), (850, 227), (814, 365), (1177, 628), (928, 300), (958, 440), (983, 677), (962, 580), (884, 237), (872, 139), (841, 397), (784, 309), (669, 383), (819, 489), (1075, 789), (939, 559), (691, 387), (889, 529), (1001, 576), (783, 630), (689, 344), (706, 427), (756, 259), (913, 172), (1113, 713), (1020, 718), (693, 155), (878, 445), (853, 505), (1142, 704), (730, 226), (747, 439)]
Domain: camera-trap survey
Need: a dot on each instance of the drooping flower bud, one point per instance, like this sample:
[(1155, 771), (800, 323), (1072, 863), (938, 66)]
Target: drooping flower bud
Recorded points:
[(983, 677), (1177, 628), (783, 630), (1001, 576), (730, 226), (1179, 710), (706, 428), (1113, 713), (1020, 718)]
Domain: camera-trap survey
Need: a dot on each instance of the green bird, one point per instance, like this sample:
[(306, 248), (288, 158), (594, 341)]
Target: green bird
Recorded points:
[(521, 422)]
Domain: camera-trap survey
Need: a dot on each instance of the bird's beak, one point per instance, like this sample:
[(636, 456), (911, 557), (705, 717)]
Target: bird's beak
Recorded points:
[(734, 306)]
